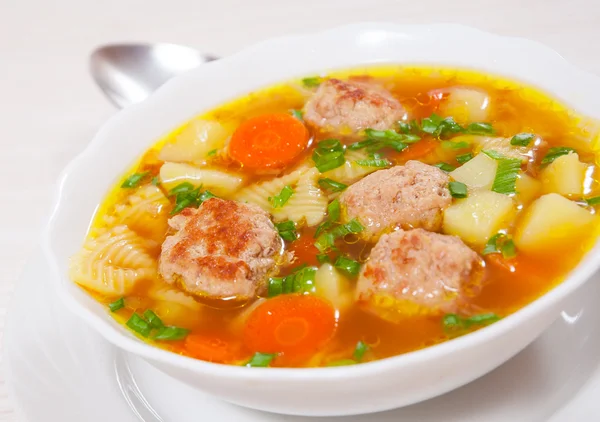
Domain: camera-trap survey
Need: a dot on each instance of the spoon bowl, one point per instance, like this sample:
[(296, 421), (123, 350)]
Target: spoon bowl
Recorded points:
[(129, 73)]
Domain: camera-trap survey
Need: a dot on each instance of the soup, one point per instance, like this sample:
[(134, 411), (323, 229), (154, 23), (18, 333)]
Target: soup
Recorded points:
[(341, 219)]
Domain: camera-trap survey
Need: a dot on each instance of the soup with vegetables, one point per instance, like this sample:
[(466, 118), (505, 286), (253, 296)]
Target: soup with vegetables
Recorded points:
[(346, 218)]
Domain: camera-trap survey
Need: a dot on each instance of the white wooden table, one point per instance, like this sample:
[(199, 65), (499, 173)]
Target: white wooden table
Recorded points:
[(50, 108)]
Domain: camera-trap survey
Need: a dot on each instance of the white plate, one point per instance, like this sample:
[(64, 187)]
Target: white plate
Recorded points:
[(59, 369)]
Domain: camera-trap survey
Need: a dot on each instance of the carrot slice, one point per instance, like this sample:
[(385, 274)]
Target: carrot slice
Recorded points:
[(269, 141), (290, 324), (213, 348)]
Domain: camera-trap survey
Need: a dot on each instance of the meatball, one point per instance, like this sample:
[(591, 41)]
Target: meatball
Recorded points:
[(413, 272), (409, 196), (352, 106), (222, 250)]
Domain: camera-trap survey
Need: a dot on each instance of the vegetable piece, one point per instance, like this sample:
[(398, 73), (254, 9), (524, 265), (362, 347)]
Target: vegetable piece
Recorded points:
[(312, 82), (186, 196), (297, 114), (212, 152), (458, 189), (555, 152), (117, 304), (155, 181), (153, 319), (171, 334), (492, 245), (466, 105), (302, 280), (331, 185), (479, 129), (463, 158), (528, 188), (326, 240), (552, 224), (500, 243), (445, 167), (134, 180), (454, 324), (348, 265), (476, 218), (287, 230), (139, 325), (593, 201), (333, 286), (294, 325), (374, 162), (328, 155), (509, 250), (478, 173), (213, 348), (506, 175), (455, 145), (522, 139), (359, 351), (334, 211), (281, 199), (499, 148), (268, 141), (260, 360), (564, 175), (342, 362), (217, 181)]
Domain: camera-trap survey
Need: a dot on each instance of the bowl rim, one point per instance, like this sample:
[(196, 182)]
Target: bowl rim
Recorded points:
[(581, 273)]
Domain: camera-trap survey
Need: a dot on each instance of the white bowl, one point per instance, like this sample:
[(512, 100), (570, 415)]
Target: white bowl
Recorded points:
[(370, 387)]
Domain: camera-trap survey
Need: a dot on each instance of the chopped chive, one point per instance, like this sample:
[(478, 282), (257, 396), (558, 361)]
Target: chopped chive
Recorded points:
[(509, 250), (494, 154), (312, 82), (134, 180), (453, 323), (347, 265), (482, 319), (323, 258), (593, 201), (342, 362), (287, 230), (280, 200), (325, 242), (376, 162), (334, 211), (139, 325), (328, 155), (186, 195), (464, 158), (458, 189), (480, 129), (171, 334), (184, 187), (153, 319), (492, 244), (359, 351), (555, 152), (430, 124), (455, 145), (522, 139), (117, 304), (404, 127), (155, 181), (260, 360), (506, 176), (297, 114), (275, 286), (331, 185), (445, 167), (301, 280), (212, 152)]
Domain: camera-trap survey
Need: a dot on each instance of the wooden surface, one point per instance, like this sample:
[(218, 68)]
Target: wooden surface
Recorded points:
[(50, 108)]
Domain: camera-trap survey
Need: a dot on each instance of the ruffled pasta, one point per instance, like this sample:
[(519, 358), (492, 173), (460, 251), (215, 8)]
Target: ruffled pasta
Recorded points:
[(219, 182), (350, 172), (114, 262), (172, 295), (145, 212), (307, 204)]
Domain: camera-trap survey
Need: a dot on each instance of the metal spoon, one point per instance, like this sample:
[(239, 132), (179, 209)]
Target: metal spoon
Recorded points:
[(128, 73)]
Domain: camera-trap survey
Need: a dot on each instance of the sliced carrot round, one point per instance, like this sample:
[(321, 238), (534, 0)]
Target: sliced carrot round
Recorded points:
[(269, 141), (213, 348), (290, 324)]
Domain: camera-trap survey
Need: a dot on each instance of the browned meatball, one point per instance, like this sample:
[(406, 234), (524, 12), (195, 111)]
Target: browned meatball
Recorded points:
[(223, 249), (413, 272), (409, 196), (348, 107)]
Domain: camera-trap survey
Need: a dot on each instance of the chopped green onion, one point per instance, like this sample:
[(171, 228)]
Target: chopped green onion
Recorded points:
[(444, 167), (280, 200), (287, 230), (391, 136), (480, 129), (430, 124), (139, 325), (275, 286), (506, 175), (323, 258), (359, 351), (134, 180), (455, 145), (555, 152), (186, 195), (260, 360), (509, 250), (184, 187), (464, 157), (297, 114), (492, 244), (458, 189), (332, 185), (171, 334), (334, 211), (482, 319), (342, 362), (301, 280), (324, 226), (522, 139), (376, 162), (153, 319), (328, 155), (494, 154), (116, 305), (404, 127), (453, 323), (593, 201), (155, 181), (325, 241), (348, 265), (212, 152), (311, 82)]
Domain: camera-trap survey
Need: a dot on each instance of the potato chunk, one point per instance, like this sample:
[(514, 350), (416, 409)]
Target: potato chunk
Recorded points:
[(466, 105), (218, 182), (565, 175), (478, 217), (332, 285), (552, 223), (477, 173), (528, 188)]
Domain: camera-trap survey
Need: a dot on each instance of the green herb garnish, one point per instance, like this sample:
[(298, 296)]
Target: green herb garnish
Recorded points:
[(328, 155), (260, 360), (555, 152), (479, 129), (374, 162), (455, 145), (153, 319), (453, 323), (281, 199), (509, 250), (151, 322), (297, 114), (155, 181), (464, 157), (492, 244), (522, 139), (593, 201), (116, 305), (171, 334), (312, 82), (445, 167), (186, 195), (301, 280), (507, 172), (323, 258), (500, 243), (458, 189), (331, 185), (134, 180), (342, 362), (359, 351), (287, 230), (212, 152), (347, 265), (334, 211), (325, 241), (139, 325)]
